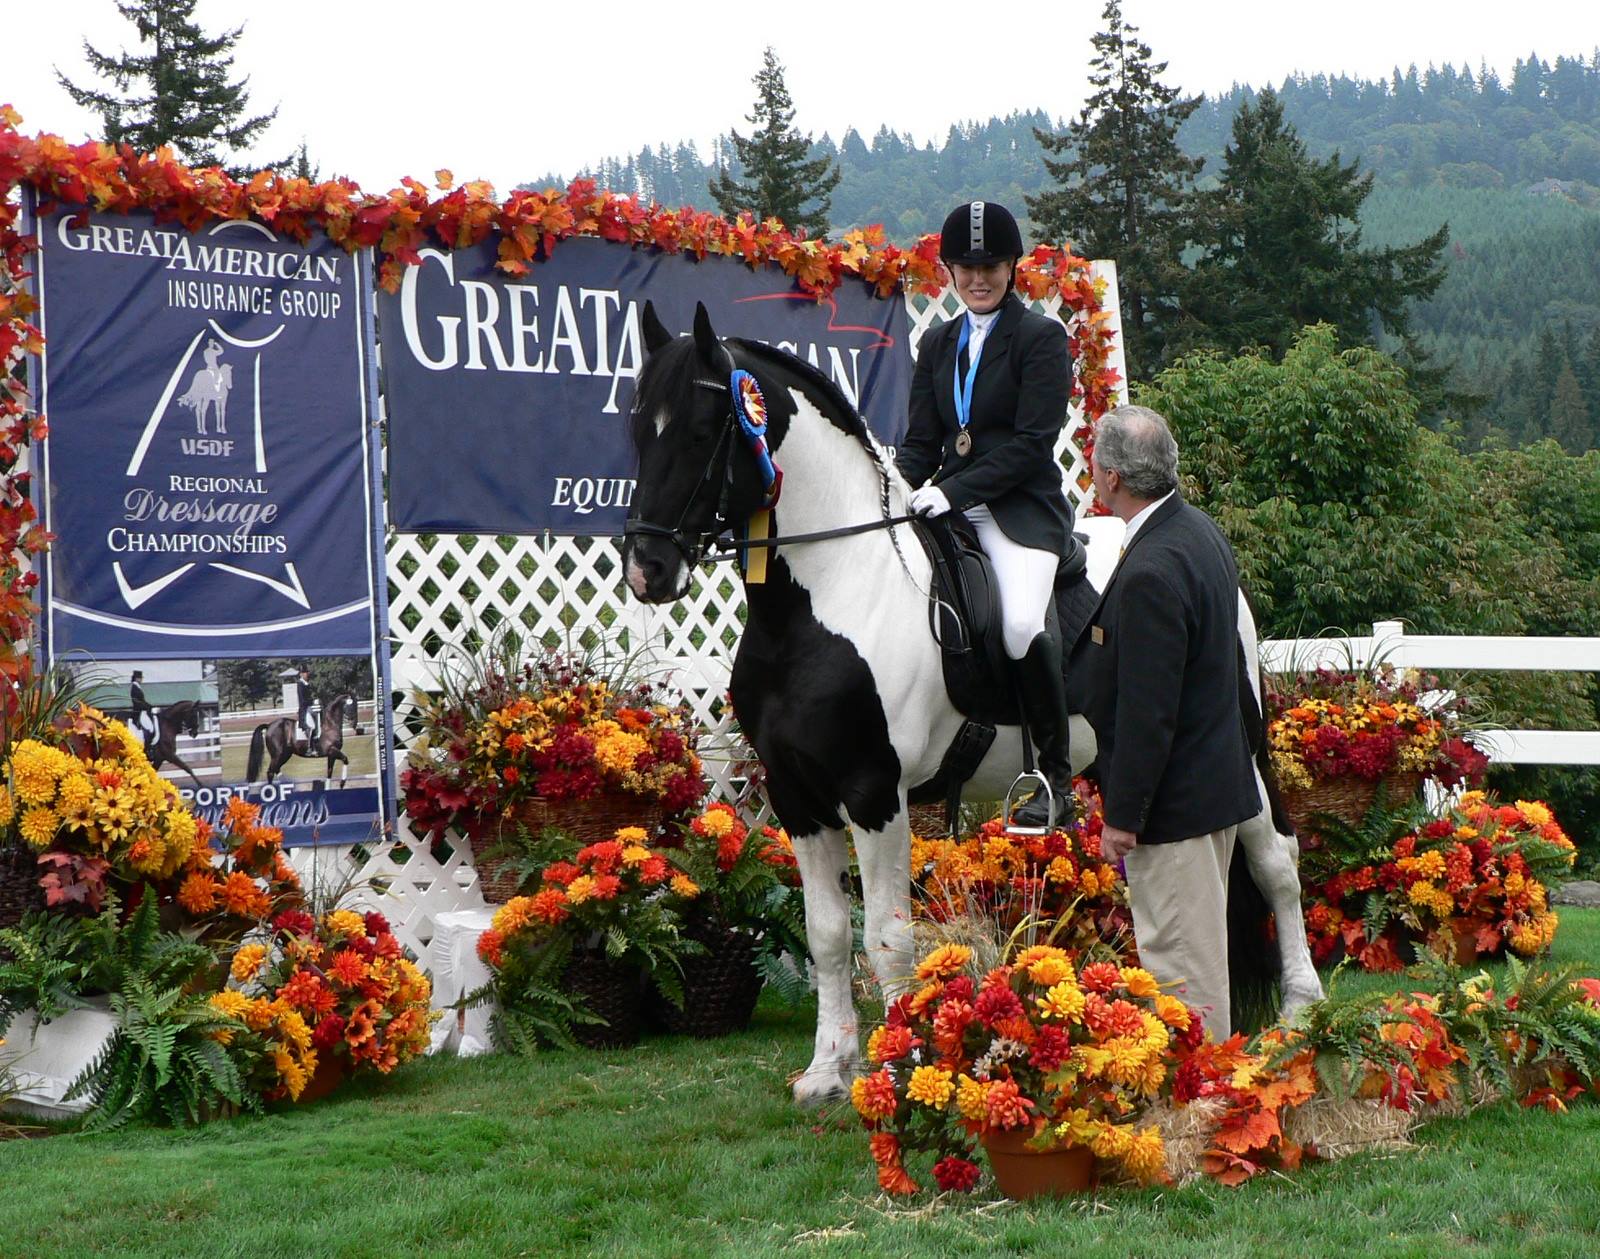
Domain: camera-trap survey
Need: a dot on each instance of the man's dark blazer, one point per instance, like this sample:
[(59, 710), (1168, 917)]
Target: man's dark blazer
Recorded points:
[(1019, 403), (1158, 665)]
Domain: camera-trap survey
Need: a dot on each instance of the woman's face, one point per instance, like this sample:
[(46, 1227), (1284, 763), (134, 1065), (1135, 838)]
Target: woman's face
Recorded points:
[(982, 287)]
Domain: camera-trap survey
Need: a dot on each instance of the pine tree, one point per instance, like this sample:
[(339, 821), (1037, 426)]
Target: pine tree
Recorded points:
[(778, 180), (1281, 247), (1569, 414), (1126, 192), (178, 94)]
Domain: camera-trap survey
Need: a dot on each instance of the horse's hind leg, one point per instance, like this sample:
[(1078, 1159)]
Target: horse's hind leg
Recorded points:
[(1273, 865), (824, 867)]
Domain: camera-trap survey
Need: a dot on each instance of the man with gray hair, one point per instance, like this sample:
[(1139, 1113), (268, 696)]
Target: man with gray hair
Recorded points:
[(1158, 664)]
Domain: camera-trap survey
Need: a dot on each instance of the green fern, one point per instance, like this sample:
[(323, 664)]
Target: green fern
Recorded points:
[(532, 1012)]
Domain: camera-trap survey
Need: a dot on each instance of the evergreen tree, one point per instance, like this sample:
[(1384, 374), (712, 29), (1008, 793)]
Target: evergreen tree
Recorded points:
[(1126, 192), (778, 179), (1281, 247), (1569, 414), (179, 94)]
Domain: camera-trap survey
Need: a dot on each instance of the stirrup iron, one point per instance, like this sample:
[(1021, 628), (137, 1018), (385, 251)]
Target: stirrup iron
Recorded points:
[(1049, 795)]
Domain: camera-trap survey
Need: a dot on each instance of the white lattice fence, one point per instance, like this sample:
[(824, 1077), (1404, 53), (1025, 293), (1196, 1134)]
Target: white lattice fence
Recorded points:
[(568, 591)]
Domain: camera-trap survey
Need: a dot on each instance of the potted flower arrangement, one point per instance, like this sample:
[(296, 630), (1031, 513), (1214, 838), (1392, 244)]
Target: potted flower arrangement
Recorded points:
[(736, 890), (1334, 737), (335, 993), (1043, 1055), (569, 960), (525, 746), (1470, 883)]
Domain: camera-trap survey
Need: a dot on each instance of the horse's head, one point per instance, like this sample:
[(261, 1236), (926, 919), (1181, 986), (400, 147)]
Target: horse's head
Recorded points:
[(697, 473), (191, 720), (348, 704)]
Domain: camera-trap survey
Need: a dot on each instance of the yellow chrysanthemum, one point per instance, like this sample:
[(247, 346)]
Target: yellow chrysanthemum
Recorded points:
[(39, 826), (715, 822), (635, 855), (230, 1002), (346, 923), (632, 835), (1064, 1001), (76, 792), (247, 962), (684, 886), (932, 1086), (1049, 971), (35, 769), (580, 889), (1061, 871), (945, 962), (1536, 811), (8, 806), (972, 1098), (1112, 1142), (1173, 1012), (1146, 1157), (1140, 982), (1077, 1127)]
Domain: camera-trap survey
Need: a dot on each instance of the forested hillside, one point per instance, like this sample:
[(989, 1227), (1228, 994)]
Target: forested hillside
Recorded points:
[(1513, 167)]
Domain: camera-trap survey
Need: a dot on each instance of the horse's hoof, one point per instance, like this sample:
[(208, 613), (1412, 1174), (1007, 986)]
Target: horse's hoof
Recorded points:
[(823, 1087)]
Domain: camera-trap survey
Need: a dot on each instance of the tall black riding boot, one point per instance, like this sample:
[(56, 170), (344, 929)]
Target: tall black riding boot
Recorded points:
[(1044, 701)]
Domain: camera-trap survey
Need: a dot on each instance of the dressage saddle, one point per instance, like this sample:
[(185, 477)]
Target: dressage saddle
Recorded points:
[(964, 615)]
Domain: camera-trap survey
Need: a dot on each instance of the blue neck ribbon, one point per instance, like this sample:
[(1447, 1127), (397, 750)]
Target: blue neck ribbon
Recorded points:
[(964, 391)]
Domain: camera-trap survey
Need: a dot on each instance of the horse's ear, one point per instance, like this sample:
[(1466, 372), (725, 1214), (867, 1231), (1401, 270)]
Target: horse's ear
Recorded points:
[(655, 333), (705, 340)]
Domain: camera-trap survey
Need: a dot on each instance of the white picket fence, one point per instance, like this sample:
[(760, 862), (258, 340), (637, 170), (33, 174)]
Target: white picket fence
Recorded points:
[(1390, 644)]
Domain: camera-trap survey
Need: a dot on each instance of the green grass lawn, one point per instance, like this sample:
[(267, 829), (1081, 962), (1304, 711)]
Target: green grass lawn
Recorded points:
[(690, 1148)]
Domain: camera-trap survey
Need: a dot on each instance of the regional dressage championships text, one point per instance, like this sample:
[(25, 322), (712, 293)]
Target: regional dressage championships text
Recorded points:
[(142, 504)]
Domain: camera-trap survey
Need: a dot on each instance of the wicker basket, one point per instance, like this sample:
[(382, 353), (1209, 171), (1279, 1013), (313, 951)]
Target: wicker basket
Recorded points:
[(720, 987), (613, 991), (1347, 799), (19, 883), (928, 821), (585, 821)]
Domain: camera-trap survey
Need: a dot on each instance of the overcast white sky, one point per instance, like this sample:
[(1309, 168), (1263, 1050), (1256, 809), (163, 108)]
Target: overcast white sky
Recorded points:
[(508, 90)]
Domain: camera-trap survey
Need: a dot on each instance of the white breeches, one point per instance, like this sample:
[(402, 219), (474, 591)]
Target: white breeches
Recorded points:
[(1027, 579)]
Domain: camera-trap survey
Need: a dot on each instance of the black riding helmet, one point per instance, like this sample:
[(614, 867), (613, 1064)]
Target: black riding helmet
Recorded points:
[(980, 232)]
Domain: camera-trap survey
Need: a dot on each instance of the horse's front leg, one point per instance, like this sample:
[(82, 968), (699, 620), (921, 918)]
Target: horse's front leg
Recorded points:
[(1275, 869), (824, 861), (885, 860)]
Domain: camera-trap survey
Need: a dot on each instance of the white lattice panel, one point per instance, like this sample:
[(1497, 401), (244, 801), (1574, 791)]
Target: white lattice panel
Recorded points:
[(568, 592)]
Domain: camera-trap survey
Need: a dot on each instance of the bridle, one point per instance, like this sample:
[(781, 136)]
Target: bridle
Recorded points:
[(696, 548)]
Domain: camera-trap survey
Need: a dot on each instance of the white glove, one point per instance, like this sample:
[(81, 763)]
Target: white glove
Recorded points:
[(929, 501)]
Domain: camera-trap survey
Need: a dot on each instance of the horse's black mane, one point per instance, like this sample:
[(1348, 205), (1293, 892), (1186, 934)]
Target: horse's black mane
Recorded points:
[(675, 367)]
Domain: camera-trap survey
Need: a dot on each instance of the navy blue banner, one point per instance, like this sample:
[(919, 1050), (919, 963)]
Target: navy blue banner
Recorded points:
[(508, 399), (211, 478), (206, 469)]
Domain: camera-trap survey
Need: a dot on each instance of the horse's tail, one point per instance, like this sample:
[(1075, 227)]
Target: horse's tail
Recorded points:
[(258, 753)]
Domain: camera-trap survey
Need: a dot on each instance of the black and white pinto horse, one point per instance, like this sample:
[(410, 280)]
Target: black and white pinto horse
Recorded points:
[(171, 721), (274, 742), (837, 680)]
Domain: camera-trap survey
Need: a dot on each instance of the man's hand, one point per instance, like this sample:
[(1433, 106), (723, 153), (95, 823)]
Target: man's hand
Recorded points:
[(929, 501), (1116, 843)]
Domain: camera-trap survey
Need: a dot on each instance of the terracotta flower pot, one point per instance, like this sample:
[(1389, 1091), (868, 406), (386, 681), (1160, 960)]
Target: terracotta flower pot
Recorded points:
[(329, 1075), (1021, 1172)]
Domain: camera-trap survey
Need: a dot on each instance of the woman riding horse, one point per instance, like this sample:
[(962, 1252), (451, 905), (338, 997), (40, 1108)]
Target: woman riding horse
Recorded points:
[(988, 400)]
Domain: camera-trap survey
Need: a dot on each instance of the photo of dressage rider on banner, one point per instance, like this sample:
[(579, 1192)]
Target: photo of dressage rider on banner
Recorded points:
[(508, 400), (209, 477)]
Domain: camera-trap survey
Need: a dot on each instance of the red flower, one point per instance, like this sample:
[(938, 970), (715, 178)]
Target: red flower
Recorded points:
[(511, 774), (1051, 1047), (995, 1003), (377, 924), (308, 994), (1007, 1108), (1101, 977), (328, 1033), (956, 1174)]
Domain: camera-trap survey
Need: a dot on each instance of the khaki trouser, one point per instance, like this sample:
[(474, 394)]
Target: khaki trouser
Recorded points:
[(1179, 896)]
